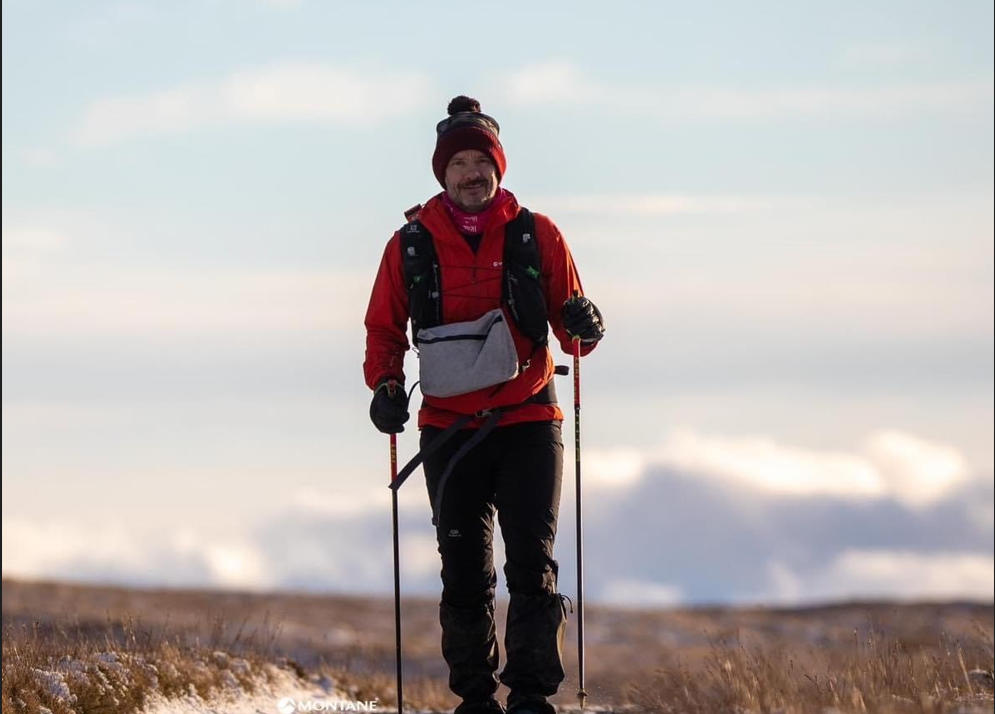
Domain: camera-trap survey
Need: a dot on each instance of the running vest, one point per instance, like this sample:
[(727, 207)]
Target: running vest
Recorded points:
[(521, 283)]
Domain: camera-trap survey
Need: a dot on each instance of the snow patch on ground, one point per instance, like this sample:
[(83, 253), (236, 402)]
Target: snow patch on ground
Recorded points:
[(277, 686)]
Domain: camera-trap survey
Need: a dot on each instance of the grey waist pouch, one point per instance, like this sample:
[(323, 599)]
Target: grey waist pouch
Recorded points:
[(463, 357)]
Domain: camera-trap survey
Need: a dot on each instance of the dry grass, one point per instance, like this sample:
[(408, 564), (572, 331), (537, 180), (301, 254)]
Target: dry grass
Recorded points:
[(114, 666), (879, 673), (102, 649), (60, 657)]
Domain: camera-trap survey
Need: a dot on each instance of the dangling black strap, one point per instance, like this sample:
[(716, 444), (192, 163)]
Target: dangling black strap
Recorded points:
[(430, 449), (486, 428), (546, 395)]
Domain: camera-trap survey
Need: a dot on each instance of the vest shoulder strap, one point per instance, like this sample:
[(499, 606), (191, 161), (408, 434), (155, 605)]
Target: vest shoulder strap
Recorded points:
[(522, 285), (521, 291), (421, 276)]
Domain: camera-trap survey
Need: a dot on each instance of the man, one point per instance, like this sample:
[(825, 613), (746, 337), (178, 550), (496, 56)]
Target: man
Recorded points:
[(473, 271)]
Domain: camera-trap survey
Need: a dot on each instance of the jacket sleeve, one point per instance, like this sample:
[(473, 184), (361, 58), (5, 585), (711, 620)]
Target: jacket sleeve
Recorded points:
[(387, 320), (560, 279)]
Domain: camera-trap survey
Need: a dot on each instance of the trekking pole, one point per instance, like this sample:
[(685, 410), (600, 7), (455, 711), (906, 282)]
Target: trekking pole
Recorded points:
[(581, 693), (391, 389)]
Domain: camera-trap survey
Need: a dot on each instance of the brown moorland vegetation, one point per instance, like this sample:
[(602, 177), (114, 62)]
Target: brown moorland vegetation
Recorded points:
[(79, 648)]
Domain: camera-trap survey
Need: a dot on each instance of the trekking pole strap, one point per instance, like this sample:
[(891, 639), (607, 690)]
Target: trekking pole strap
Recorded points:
[(430, 449), (492, 419), (546, 395)]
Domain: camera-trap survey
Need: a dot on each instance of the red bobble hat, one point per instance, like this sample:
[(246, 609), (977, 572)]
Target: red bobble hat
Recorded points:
[(466, 128)]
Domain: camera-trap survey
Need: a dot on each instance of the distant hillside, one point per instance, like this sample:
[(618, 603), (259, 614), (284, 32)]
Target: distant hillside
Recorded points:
[(81, 648)]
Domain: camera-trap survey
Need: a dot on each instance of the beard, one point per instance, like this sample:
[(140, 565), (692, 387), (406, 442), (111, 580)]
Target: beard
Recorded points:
[(474, 196)]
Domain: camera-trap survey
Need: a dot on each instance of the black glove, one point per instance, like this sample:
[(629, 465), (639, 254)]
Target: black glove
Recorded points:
[(582, 318), (389, 408)]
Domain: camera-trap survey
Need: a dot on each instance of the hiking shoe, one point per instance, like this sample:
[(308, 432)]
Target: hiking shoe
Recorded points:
[(531, 706), (488, 706)]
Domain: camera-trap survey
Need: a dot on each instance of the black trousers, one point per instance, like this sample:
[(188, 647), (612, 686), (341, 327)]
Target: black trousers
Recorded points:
[(515, 472)]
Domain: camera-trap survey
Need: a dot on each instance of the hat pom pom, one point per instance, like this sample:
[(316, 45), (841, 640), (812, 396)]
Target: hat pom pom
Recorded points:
[(463, 104)]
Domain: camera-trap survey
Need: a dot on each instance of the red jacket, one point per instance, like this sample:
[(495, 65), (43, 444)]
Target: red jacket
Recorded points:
[(471, 285)]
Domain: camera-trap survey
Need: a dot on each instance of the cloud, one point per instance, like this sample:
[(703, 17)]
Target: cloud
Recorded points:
[(864, 56), (612, 468), (110, 553), (86, 302), (40, 157), (695, 528), (319, 550), (419, 556), (812, 273), (25, 250), (891, 465), (61, 281), (635, 593), (722, 537), (761, 463), (228, 564), (891, 574), (560, 82), (37, 242), (18, 239), (280, 93), (656, 204), (913, 470), (324, 504), (552, 82)]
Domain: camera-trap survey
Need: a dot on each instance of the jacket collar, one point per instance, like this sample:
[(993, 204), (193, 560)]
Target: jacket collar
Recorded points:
[(439, 223)]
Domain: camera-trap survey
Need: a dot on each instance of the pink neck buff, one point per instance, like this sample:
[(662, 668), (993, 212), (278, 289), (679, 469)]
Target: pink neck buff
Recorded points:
[(472, 223)]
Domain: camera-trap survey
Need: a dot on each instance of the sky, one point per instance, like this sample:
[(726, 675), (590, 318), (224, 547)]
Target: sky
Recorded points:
[(783, 209)]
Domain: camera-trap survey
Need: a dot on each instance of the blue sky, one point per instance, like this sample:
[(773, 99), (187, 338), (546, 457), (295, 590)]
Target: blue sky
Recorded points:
[(784, 211)]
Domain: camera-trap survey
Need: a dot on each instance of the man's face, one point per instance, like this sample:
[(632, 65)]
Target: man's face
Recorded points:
[(471, 180)]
